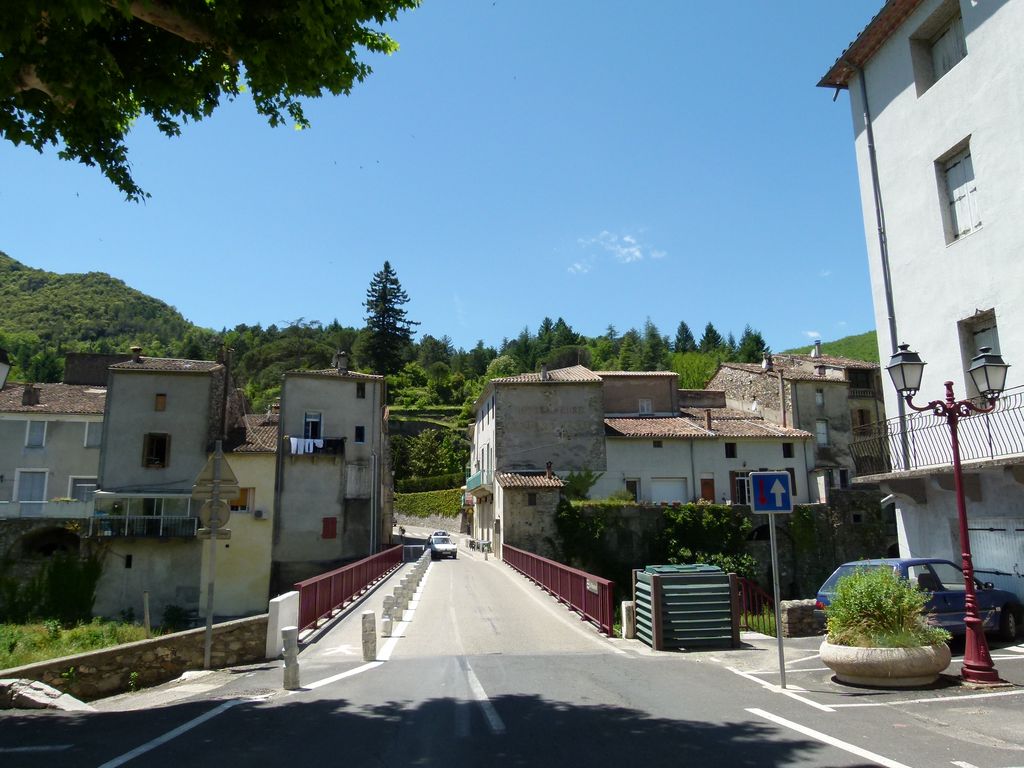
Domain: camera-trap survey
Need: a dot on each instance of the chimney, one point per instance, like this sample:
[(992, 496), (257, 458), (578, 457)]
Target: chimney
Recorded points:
[(767, 364), (544, 373), (136, 354), (816, 352), (275, 407), (547, 471), (707, 419), (31, 395), (341, 361)]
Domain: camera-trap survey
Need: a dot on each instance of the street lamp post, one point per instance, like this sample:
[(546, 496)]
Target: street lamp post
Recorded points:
[(988, 371)]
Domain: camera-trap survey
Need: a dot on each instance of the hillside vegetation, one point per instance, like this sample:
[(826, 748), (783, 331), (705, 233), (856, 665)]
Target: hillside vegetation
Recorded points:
[(863, 346)]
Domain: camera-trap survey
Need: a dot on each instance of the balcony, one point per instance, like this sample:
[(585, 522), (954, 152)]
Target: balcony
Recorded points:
[(859, 393), (326, 446), (64, 510), (881, 448), (142, 527), (480, 483)]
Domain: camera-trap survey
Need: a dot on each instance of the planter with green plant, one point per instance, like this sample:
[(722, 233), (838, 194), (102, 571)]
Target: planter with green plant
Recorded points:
[(878, 635)]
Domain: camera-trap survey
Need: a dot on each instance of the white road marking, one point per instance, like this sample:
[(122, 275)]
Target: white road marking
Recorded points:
[(340, 676), (937, 699), (494, 721), (193, 723), (830, 740), (40, 748), (784, 691), (962, 764), (345, 650)]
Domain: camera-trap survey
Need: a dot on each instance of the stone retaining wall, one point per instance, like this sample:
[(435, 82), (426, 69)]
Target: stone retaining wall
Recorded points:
[(121, 668), (453, 525), (798, 620)]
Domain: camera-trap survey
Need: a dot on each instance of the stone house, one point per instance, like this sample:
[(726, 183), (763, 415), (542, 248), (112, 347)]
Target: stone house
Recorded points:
[(332, 475), (939, 157), (833, 398)]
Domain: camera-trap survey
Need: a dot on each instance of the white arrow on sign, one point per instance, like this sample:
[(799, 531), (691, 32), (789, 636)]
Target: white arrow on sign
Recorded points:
[(778, 491)]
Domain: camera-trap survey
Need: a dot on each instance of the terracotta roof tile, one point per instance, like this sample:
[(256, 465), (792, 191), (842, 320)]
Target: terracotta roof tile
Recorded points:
[(643, 374), (871, 38), (657, 427), (335, 373), (692, 424), (168, 365), (54, 398), (574, 374), (258, 434), (522, 480)]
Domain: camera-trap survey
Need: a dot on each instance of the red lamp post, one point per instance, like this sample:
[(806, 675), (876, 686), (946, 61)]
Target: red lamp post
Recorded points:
[(988, 371)]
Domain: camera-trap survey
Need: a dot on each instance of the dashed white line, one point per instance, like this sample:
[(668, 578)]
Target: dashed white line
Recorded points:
[(39, 748), (830, 740), (494, 721)]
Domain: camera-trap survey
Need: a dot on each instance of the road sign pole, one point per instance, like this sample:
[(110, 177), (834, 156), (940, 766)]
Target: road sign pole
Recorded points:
[(775, 587), (218, 456)]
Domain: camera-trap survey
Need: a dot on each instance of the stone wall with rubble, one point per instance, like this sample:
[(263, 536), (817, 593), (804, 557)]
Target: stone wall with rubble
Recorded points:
[(109, 671)]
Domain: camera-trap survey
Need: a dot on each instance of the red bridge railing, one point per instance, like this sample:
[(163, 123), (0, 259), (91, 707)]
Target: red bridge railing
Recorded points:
[(587, 594), (321, 595), (757, 610)]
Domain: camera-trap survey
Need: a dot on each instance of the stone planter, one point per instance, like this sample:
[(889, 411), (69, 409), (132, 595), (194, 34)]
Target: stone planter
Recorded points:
[(886, 667)]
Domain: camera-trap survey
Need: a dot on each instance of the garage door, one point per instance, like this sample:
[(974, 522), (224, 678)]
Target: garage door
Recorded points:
[(998, 543), (668, 489)]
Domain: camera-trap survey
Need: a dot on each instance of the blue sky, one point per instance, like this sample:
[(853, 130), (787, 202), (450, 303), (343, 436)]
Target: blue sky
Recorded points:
[(603, 162)]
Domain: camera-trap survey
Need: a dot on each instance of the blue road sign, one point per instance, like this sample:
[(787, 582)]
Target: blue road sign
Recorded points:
[(771, 492)]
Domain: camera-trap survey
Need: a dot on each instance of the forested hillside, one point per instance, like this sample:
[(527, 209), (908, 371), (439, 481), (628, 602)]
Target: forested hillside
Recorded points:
[(432, 385)]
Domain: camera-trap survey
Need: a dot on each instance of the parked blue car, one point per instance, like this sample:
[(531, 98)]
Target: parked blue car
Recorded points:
[(1000, 610)]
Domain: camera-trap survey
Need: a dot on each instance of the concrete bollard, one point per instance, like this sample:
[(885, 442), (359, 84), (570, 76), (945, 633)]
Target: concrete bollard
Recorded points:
[(290, 638), (628, 619), (385, 626), (369, 636)]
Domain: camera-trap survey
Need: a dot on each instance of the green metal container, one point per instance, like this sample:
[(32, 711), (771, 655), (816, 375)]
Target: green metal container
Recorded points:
[(685, 606)]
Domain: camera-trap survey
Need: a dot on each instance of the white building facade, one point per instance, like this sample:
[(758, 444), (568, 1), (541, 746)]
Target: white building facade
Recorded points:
[(934, 92)]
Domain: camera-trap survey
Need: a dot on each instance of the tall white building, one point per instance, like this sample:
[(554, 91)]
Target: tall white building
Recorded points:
[(935, 93)]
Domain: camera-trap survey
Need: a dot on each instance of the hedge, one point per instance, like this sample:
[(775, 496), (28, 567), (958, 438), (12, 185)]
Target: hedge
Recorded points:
[(434, 483), (442, 503)]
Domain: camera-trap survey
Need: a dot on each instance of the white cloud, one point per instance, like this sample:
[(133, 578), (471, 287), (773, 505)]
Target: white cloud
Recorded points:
[(825, 273), (812, 334), (625, 248), (579, 268)]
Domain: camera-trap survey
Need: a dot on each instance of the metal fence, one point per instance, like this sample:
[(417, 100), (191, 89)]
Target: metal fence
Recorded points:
[(323, 594), (757, 613), (589, 595), (882, 447), (143, 526)]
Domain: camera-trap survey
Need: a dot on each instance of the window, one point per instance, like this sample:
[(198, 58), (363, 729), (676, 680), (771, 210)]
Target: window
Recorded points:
[(531, 499), (329, 528), (819, 398), (979, 330), (938, 45), (156, 450), (821, 431), (30, 485), (861, 417), (93, 434), (740, 487), (645, 406), (787, 450), (243, 501), (312, 425), (792, 481), (963, 216), (730, 450), (361, 390), (160, 402), (633, 487), (81, 488), (360, 434), (658, 444), (35, 435), (948, 47)]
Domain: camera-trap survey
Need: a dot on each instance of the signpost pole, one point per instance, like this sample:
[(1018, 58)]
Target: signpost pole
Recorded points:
[(775, 587), (218, 456)]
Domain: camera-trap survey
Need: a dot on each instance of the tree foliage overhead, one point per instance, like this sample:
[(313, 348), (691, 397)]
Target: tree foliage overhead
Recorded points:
[(77, 73)]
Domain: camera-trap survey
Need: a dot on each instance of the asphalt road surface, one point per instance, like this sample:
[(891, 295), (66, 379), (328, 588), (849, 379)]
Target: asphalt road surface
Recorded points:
[(491, 671)]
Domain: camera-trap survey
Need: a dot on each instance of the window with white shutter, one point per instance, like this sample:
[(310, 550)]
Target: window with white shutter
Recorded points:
[(962, 194), (948, 47)]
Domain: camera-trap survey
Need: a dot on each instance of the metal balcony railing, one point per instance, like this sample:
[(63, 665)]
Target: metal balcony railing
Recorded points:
[(74, 510), (143, 526), (325, 446), (479, 479), (859, 393), (881, 448)]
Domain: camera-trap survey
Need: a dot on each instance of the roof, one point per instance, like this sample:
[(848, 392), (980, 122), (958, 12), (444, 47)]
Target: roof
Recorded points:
[(574, 374), (335, 373), (524, 480), (55, 398), (257, 434), (800, 367), (639, 374), (725, 422), (871, 38), (168, 365)]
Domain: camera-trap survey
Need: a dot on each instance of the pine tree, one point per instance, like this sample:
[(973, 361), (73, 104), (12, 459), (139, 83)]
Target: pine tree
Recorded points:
[(684, 339), (752, 347), (711, 341), (654, 350), (388, 330)]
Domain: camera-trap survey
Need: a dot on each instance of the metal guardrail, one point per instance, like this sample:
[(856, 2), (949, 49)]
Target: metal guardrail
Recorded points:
[(756, 609), (589, 595), (143, 526), (881, 448), (323, 594)]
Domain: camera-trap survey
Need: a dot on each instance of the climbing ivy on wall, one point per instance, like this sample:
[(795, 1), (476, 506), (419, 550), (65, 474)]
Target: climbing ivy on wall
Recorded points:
[(446, 503), (64, 589)]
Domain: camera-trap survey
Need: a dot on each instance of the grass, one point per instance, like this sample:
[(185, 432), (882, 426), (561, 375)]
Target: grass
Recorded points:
[(763, 622), (28, 643)]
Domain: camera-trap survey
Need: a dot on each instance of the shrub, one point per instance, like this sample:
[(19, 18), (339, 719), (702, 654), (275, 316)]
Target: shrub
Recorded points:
[(875, 608), (443, 503)]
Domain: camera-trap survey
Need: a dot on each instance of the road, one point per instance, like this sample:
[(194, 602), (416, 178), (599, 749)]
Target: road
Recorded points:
[(491, 671)]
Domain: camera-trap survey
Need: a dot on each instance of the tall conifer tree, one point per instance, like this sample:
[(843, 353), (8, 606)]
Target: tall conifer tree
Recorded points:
[(388, 329)]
